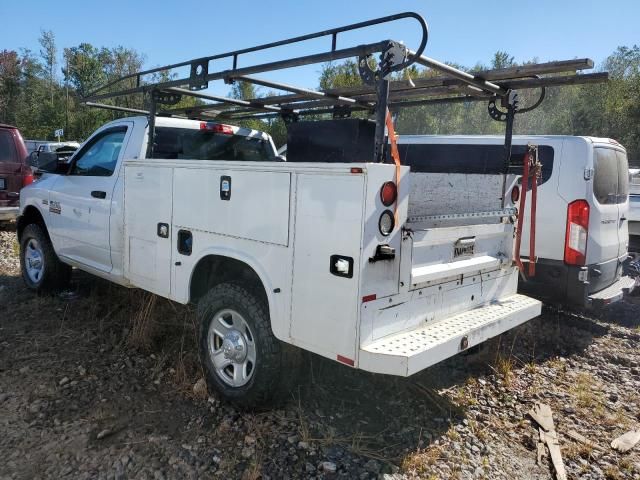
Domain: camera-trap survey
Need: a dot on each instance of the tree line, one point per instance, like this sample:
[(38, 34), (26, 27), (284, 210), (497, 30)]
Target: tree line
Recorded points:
[(42, 91)]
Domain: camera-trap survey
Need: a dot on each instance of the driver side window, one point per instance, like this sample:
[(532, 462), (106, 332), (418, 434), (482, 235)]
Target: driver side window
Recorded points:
[(100, 157)]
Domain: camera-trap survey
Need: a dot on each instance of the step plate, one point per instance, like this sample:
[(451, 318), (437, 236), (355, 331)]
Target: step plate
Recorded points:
[(409, 352), (614, 292)]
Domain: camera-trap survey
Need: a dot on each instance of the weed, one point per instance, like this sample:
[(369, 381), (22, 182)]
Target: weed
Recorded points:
[(612, 473), (585, 395), (418, 462), (142, 328), (504, 367)]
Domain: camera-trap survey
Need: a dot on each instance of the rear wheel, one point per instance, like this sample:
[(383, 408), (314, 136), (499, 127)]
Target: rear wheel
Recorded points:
[(42, 271), (242, 359)]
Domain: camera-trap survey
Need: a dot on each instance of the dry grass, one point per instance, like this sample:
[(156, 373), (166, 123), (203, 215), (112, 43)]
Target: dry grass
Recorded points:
[(419, 462), (477, 430), (587, 397), (142, 326), (504, 366)]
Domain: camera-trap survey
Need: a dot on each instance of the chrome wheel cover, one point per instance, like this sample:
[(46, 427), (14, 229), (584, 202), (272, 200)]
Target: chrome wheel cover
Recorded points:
[(231, 348), (34, 260)]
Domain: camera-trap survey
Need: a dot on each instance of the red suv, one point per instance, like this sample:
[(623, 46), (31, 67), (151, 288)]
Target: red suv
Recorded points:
[(15, 171)]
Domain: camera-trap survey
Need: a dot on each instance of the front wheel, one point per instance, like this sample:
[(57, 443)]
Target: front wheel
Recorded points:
[(242, 359), (41, 269)]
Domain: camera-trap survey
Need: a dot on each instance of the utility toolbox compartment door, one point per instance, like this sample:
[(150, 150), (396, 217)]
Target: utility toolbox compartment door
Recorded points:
[(148, 210)]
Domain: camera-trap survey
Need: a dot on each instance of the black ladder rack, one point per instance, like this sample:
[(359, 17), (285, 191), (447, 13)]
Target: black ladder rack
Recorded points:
[(378, 93)]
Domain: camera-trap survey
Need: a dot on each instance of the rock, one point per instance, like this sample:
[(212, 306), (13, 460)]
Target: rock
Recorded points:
[(200, 388), (3, 397), (372, 466), (247, 452), (249, 440), (103, 433), (303, 445), (23, 370), (64, 381), (327, 467), (82, 371)]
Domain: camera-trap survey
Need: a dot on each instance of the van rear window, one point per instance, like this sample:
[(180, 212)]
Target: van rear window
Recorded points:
[(187, 143), (611, 178), (7, 147)]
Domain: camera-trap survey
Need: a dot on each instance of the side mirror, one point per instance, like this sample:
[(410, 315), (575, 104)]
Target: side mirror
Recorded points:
[(44, 161)]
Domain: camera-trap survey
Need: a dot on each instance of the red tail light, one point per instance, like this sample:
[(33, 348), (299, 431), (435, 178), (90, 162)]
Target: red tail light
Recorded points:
[(216, 128), (388, 193), (515, 194), (575, 243), (27, 178)]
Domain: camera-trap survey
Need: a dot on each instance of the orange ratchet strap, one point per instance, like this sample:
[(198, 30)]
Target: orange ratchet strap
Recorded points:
[(395, 155)]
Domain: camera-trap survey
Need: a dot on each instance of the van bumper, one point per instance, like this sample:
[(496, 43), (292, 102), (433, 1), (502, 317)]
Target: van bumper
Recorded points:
[(9, 213), (593, 285), (613, 293)]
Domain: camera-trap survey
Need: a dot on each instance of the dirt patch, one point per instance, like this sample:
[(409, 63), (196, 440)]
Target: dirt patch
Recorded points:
[(98, 383)]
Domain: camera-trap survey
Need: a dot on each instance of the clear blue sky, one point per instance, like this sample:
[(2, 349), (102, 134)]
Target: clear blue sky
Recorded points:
[(463, 31)]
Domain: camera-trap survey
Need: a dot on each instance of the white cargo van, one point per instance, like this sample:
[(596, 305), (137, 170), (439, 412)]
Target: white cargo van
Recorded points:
[(582, 211), (634, 208)]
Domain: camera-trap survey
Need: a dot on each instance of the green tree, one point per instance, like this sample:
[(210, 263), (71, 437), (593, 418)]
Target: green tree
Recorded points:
[(48, 53), (9, 85)]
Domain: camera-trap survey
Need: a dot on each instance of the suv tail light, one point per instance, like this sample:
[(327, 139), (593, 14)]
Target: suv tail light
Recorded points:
[(575, 244), (27, 178)]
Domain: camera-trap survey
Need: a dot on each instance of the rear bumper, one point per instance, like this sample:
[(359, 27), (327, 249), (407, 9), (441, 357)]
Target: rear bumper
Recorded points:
[(409, 352), (588, 286), (613, 293), (9, 213)]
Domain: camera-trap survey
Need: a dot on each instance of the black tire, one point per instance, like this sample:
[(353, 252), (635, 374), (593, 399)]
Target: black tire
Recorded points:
[(277, 364), (56, 275)]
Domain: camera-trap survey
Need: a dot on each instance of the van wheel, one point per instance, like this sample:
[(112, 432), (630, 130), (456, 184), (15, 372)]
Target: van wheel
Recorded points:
[(41, 269), (242, 359)]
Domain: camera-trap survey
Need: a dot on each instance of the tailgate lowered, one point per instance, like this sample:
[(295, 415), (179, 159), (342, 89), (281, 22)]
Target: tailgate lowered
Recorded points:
[(411, 351)]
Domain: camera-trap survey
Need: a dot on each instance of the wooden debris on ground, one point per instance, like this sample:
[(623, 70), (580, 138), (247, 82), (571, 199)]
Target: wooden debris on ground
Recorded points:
[(572, 434), (626, 442), (541, 413)]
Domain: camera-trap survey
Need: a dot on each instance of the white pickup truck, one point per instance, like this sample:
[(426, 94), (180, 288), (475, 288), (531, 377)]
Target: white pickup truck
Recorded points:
[(335, 258), (338, 250)]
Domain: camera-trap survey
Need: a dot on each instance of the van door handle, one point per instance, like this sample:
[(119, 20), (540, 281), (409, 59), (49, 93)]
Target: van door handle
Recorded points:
[(622, 219), (98, 194)]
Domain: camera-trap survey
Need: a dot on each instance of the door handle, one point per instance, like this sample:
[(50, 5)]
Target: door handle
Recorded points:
[(98, 194)]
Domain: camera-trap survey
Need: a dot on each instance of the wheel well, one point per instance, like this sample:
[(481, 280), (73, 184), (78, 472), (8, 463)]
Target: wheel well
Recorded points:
[(30, 215), (215, 269)]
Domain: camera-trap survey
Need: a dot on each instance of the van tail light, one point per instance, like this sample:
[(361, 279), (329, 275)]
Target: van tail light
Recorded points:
[(27, 178), (515, 194), (575, 243), (216, 128)]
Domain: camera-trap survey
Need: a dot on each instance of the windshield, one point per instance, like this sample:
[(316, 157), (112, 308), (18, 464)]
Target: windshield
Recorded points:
[(187, 143)]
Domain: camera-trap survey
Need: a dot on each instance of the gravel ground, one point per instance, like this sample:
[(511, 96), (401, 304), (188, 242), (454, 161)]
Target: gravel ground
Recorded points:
[(103, 383)]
